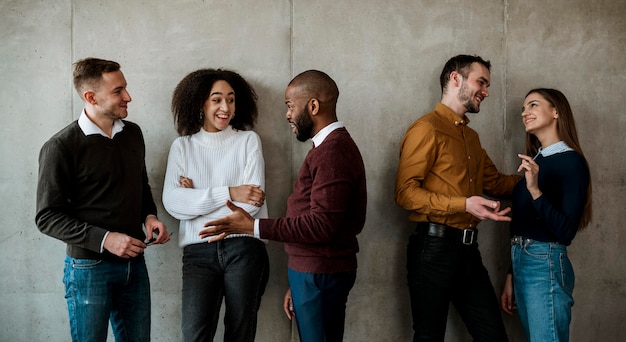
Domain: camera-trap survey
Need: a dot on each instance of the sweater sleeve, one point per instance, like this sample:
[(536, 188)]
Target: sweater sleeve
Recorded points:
[(148, 207), (335, 194), (53, 215), (254, 172), (563, 220), (184, 203)]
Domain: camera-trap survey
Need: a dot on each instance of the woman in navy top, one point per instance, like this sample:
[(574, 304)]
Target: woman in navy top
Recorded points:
[(550, 204)]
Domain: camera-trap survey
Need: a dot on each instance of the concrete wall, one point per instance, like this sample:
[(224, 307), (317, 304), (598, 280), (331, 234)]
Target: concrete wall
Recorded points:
[(386, 57)]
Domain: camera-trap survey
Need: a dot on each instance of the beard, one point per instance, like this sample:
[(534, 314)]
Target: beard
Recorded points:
[(304, 125), (467, 99), (112, 114)]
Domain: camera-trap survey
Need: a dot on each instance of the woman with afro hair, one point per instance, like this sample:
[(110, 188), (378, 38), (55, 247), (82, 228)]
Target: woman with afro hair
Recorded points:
[(217, 158)]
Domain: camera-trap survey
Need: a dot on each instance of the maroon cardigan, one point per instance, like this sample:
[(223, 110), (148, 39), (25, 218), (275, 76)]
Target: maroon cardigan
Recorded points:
[(326, 210)]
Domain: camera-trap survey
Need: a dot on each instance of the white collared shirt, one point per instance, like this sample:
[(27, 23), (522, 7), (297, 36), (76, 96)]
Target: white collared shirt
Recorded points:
[(555, 148), (319, 138), (89, 127)]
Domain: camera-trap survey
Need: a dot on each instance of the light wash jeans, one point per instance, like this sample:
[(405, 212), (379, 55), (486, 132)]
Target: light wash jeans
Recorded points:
[(543, 281), (98, 291)]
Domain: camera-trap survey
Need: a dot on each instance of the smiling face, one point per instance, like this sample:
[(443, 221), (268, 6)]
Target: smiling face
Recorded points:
[(111, 97), (473, 89), (298, 114), (219, 107), (538, 114)]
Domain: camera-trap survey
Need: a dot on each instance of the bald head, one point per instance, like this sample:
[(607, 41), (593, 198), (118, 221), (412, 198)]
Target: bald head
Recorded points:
[(317, 84)]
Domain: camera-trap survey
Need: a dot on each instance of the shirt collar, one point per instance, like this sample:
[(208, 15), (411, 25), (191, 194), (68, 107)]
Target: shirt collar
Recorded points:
[(555, 148), (90, 128), (450, 115), (319, 138)]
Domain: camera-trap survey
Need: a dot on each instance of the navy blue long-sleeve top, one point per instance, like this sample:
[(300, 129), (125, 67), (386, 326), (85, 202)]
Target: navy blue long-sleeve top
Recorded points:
[(555, 215)]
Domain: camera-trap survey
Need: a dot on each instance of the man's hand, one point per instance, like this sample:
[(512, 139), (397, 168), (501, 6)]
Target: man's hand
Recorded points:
[(154, 226), (288, 305), (123, 245), (507, 299), (485, 209), (239, 222)]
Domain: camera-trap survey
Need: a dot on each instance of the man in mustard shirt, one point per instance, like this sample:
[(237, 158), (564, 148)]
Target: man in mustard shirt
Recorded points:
[(442, 176)]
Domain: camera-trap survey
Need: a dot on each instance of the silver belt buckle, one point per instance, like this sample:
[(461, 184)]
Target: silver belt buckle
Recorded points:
[(469, 236)]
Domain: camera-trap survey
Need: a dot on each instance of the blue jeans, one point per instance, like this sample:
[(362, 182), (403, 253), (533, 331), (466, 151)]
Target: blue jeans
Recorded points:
[(98, 291), (543, 281), (441, 271), (319, 303), (235, 268)]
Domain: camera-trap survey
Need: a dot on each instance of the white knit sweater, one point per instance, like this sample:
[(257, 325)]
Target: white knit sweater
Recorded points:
[(214, 162)]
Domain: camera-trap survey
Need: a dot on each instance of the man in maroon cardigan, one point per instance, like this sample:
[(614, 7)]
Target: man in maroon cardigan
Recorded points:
[(325, 212)]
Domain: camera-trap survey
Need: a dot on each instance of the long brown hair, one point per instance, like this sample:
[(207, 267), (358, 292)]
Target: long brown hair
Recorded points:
[(566, 129)]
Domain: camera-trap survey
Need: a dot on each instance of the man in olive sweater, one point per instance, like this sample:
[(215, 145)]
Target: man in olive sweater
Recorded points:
[(93, 194), (325, 212)]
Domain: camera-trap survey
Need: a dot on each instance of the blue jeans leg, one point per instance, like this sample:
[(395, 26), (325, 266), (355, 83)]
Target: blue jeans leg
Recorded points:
[(97, 291), (236, 270), (543, 280), (319, 302)]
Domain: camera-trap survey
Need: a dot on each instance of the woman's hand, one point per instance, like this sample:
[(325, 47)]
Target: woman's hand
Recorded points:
[(531, 172), (507, 299), (186, 182), (251, 194)]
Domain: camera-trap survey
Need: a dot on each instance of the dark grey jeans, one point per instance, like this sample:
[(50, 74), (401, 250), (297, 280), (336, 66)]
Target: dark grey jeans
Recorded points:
[(235, 268)]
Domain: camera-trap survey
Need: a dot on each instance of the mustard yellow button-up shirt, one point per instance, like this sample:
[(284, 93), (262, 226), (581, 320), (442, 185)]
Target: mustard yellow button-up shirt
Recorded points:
[(441, 164)]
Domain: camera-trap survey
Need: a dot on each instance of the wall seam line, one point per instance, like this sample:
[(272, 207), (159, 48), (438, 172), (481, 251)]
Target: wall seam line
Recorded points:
[(72, 56)]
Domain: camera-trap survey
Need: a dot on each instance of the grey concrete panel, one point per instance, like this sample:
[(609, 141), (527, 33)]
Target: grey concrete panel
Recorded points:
[(35, 101), (386, 57)]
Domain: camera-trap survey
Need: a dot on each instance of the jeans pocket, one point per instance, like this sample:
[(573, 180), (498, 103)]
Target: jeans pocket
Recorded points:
[(537, 250), (85, 263), (567, 272)]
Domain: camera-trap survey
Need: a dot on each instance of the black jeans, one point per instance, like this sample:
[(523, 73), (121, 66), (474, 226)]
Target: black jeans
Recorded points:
[(237, 269), (443, 271)]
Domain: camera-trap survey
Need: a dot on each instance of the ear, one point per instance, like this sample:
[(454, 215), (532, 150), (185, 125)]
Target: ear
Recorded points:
[(89, 96), (314, 106), (455, 79)]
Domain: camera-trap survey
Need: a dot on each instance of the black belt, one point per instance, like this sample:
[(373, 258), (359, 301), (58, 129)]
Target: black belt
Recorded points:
[(522, 241), (519, 240), (464, 236)]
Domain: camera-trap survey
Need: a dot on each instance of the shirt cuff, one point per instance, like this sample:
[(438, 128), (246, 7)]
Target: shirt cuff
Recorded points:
[(257, 233), (102, 243)]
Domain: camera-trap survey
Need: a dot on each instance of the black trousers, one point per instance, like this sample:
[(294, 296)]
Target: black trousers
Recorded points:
[(443, 271)]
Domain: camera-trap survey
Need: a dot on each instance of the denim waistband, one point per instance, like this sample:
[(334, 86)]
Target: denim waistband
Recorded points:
[(519, 240), (522, 241)]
